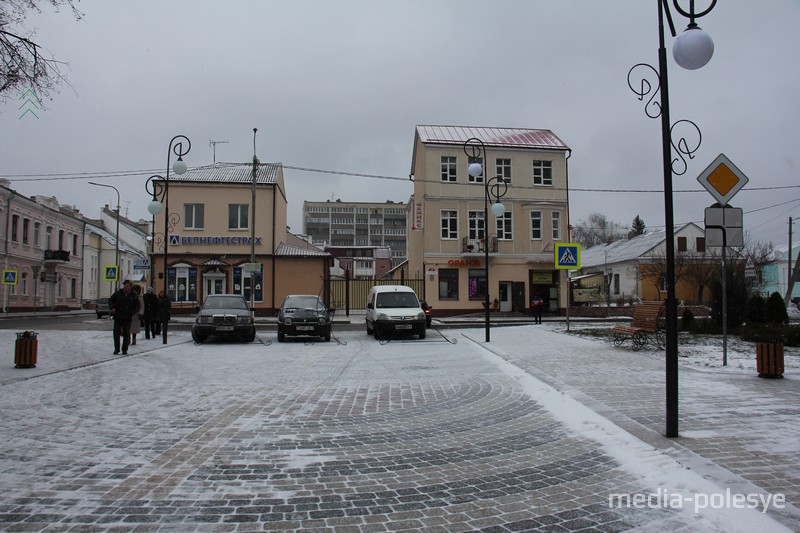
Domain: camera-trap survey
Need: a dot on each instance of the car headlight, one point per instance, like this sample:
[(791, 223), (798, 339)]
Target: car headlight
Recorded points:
[(287, 321), (205, 319), (322, 320), (421, 316), (382, 316), (244, 320)]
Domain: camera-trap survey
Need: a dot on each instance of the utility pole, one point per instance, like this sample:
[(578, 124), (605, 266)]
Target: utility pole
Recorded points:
[(253, 224), (793, 272)]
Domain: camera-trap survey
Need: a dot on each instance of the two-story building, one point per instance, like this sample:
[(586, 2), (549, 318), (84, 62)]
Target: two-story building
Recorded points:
[(449, 234), (42, 252), (226, 233)]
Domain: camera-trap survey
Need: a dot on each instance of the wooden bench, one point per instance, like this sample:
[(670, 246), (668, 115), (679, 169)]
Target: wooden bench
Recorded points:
[(646, 327)]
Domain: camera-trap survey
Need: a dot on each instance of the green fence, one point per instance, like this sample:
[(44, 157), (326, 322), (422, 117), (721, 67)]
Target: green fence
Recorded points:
[(351, 294)]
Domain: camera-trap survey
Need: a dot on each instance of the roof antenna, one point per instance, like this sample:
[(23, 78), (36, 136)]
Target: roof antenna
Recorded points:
[(213, 145)]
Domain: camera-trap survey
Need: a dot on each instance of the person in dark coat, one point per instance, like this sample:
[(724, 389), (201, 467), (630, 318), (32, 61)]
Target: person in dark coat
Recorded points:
[(150, 314), (123, 304), (164, 310)]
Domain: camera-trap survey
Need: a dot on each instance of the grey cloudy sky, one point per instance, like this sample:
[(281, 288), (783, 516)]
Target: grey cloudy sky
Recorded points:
[(339, 85)]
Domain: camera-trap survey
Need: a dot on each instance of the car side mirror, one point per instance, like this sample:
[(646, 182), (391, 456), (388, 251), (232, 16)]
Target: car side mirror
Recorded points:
[(370, 306), (196, 308)]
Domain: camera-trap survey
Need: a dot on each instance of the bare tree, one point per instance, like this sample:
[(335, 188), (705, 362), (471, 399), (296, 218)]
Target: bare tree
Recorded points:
[(597, 229), (24, 64)]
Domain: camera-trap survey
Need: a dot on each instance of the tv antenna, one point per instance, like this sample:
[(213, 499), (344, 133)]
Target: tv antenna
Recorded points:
[(213, 145)]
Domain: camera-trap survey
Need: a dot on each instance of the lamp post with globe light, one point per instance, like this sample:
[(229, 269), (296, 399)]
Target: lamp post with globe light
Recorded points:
[(158, 187), (494, 187), (692, 50)]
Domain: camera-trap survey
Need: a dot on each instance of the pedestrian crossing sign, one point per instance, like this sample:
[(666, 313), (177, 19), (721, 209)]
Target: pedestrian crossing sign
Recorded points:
[(9, 277), (568, 256), (112, 273)]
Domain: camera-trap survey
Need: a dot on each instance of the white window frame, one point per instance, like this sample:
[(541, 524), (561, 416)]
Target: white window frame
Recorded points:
[(476, 225), (536, 232), (504, 226), (449, 168), (191, 222), (449, 224), (240, 208), (503, 167), (542, 172), (555, 218)]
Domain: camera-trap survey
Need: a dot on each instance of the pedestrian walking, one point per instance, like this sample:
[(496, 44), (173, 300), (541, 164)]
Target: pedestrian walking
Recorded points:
[(150, 315), (136, 319), (123, 304), (164, 310)]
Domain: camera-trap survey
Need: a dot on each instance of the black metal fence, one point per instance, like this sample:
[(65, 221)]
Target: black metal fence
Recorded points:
[(351, 294)]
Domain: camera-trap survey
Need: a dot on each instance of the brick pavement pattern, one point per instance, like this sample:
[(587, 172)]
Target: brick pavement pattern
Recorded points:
[(362, 437)]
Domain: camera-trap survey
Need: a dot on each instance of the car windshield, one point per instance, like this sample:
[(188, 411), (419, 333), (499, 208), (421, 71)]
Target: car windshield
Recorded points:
[(303, 302), (225, 302), (397, 299)]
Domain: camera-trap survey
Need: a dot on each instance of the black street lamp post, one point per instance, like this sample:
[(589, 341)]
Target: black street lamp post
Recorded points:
[(494, 187), (116, 237), (158, 187), (692, 50)]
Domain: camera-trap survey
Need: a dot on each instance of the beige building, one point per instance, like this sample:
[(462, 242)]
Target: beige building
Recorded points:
[(210, 245), (448, 235)]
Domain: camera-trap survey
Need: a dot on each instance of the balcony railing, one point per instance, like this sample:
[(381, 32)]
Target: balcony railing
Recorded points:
[(478, 246), (56, 255)]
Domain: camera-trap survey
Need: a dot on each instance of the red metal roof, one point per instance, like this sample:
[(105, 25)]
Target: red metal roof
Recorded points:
[(497, 137)]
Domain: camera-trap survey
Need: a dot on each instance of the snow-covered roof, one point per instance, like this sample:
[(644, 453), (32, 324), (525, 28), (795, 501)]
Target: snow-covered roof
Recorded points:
[(626, 250)]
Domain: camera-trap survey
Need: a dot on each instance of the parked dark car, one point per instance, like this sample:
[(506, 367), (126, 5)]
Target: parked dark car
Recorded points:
[(427, 308), (224, 315), (101, 307), (304, 315)]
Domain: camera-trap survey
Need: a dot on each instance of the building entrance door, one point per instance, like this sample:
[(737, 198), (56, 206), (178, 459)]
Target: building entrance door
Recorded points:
[(213, 284), (505, 296)]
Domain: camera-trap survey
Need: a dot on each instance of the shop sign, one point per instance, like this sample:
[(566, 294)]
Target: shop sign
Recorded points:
[(464, 263), (212, 241)]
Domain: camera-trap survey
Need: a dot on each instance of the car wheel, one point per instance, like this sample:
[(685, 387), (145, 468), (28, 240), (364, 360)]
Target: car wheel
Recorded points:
[(328, 336), (422, 333), (281, 336), (196, 337), (369, 329), (250, 337)]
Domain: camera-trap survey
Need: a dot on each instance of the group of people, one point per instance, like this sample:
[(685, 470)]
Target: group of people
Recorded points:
[(131, 311)]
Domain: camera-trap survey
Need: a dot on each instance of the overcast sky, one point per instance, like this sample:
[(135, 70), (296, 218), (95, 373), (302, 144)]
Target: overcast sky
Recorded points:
[(339, 85)]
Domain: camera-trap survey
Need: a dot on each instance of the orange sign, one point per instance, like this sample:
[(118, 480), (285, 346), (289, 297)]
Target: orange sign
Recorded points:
[(722, 179)]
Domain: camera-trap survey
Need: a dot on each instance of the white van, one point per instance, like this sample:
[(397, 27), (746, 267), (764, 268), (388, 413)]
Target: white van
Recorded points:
[(393, 310)]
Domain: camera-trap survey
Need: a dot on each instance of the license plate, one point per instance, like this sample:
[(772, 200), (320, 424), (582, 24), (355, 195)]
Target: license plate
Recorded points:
[(225, 328), (403, 326), (305, 328)]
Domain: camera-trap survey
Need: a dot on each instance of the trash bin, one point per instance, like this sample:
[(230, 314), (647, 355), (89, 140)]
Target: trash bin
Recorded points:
[(769, 357), (26, 349)]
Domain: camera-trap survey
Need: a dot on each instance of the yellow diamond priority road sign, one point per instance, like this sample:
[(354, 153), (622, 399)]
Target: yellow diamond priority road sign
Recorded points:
[(722, 179)]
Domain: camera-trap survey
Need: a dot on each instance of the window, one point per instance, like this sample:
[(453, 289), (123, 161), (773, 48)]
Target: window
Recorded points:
[(182, 284), (61, 239), (448, 284), (662, 282), (37, 231), (75, 244), (681, 244), (701, 244), (477, 225), (504, 169), (24, 282), (616, 283), (243, 281), (449, 224), (237, 216), (556, 219), (504, 227), (49, 238), (25, 223), (448, 168), (542, 172), (477, 283), (14, 224), (193, 216), (536, 225), (479, 178), (73, 288)]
